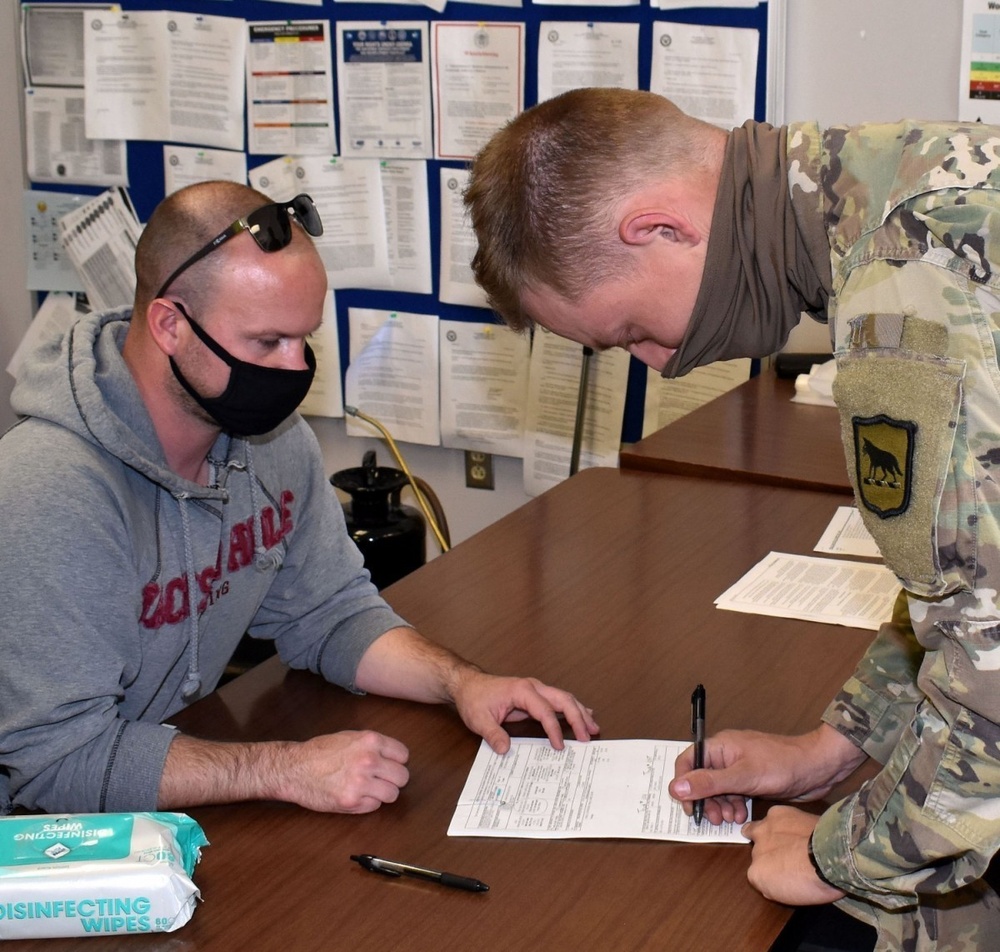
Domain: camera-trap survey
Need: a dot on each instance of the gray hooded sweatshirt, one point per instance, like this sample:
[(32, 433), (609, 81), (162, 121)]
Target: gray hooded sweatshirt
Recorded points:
[(102, 545)]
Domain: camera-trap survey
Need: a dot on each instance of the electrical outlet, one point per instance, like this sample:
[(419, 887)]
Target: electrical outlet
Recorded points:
[(478, 470)]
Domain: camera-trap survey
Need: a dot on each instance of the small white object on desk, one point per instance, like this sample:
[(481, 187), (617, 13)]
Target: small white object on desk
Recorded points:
[(816, 387)]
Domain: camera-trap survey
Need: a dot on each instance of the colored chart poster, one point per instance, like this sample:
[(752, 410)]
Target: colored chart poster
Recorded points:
[(979, 76)]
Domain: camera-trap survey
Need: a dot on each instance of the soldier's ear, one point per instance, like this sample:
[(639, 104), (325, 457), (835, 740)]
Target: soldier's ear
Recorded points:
[(648, 225)]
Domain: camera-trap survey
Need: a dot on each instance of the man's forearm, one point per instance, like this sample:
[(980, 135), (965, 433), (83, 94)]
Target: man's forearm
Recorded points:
[(199, 772), (404, 664), (345, 772)]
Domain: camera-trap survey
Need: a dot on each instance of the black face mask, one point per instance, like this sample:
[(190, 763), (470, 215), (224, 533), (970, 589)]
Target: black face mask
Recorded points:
[(257, 398)]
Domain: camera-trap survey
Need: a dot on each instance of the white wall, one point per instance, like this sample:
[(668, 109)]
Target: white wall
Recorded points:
[(847, 61), (850, 61)]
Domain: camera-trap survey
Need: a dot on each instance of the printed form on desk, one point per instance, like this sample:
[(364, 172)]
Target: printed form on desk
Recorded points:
[(597, 789), (834, 591)]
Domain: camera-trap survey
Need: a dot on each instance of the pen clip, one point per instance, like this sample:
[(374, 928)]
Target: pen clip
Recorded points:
[(368, 862)]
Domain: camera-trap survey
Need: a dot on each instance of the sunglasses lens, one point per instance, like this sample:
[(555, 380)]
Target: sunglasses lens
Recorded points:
[(308, 216), (270, 227)]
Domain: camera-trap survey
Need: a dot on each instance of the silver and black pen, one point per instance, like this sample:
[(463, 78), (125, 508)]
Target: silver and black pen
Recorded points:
[(698, 730), (390, 868)]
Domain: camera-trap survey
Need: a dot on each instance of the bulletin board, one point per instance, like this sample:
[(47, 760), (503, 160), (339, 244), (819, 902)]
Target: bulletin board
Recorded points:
[(145, 158)]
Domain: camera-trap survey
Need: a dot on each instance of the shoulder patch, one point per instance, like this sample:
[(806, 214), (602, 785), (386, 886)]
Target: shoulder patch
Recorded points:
[(883, 459)]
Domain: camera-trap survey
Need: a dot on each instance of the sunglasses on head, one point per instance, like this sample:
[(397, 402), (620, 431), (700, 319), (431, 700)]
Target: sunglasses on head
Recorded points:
[(270, 225)]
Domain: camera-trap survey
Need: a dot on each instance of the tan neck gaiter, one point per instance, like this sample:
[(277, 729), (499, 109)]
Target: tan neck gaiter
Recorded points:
[(761, 270)]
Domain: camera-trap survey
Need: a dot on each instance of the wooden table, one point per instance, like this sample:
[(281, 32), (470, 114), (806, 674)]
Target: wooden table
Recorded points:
[(605, 586), (752, 432)]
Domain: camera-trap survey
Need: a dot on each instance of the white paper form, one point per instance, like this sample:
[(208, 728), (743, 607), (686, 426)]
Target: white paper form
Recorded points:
[(393, 374), (847, 535), (57, 146), (290, 88), (683, 4), (484, 387), (325, 397), (205, 81), (553, 389), (125, 70), (436, 5), (407, 225), (598, 789), (834, 591), (100, 238), (670, 399), (572, 55), (49, 267), (53, 318), (478, 83), (52, 42), (154, 74), (185, 165), (384, 89), (585, 3), (458, 244), (708, 71), (348, 194)]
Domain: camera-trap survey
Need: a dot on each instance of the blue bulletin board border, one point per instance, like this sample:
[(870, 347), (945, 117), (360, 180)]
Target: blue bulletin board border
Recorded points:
[(145, 158)]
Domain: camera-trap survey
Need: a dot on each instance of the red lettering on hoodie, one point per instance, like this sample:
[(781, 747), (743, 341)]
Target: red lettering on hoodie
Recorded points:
[(240, 546), (168, 604), (151, 615), (208, 575), (273, 536)]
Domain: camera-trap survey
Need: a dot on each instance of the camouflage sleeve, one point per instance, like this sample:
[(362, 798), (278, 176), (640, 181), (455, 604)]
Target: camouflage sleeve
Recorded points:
[(912, 212), (919, 397), (925, 700), (877, 702), (929, 822)]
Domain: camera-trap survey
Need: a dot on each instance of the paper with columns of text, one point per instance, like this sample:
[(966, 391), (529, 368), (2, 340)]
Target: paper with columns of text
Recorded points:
[(833, 591), (600, 789)]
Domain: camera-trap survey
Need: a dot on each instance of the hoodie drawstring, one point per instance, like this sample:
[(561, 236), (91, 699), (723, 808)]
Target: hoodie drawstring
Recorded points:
[(192, 683), (263, 560)]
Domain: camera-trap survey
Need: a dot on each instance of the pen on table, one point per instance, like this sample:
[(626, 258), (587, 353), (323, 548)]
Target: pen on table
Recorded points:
[(390, 868), (698, 729)]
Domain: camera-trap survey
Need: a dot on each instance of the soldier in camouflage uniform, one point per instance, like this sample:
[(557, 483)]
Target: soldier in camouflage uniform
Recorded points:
[(888, 232)]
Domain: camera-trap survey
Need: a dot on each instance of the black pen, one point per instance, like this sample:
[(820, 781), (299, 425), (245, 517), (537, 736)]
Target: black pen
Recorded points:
[(388, 868), (698, 729)]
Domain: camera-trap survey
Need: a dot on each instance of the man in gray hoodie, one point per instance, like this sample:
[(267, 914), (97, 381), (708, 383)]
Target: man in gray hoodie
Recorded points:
[(160, 498)]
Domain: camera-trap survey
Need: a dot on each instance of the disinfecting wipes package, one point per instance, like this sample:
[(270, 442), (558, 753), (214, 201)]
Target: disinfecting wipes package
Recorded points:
[(83, 874)]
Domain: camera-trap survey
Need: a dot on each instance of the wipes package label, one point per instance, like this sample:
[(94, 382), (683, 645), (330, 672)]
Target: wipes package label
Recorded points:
[(95, 874), (53, 839)]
